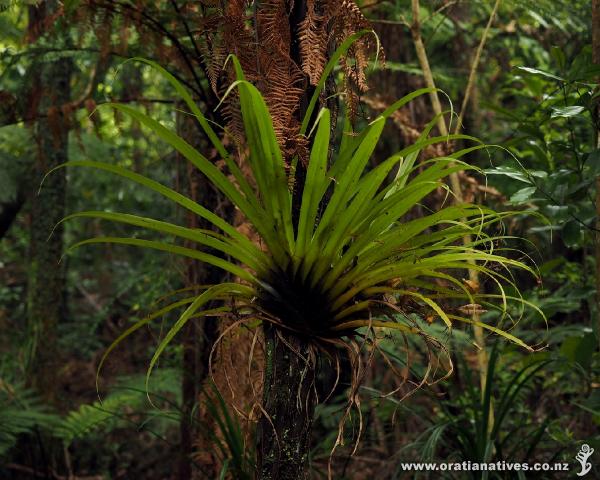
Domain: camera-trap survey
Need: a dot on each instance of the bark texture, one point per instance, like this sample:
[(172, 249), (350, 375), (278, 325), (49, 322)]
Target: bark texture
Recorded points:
[(46, 282), (596, 60), (289, 400)]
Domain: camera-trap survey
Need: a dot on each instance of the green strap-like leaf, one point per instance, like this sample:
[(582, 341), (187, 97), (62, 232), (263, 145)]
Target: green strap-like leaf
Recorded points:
[(136, 326), (392, 243), (350, 217), (175, 249), (253, 258), (350, 286), (344, 186), (316, 176), (266, 160), (165, 192), (491, 328), (187, 98), (217, 291), (200, 161), (431, 303)]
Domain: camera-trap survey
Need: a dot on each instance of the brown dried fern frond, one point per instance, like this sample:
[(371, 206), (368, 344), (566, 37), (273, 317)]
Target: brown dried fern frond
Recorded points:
[(313, 39), (280, 60), (347, 21)]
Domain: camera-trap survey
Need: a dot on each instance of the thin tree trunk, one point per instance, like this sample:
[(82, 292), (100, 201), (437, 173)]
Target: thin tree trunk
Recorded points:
[(46, 280), (482, 355), (596, 60), (284, 430), (289, 400)]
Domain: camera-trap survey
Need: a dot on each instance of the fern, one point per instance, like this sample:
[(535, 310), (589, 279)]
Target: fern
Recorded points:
[(96, 416), (128, 403), (21, 412)]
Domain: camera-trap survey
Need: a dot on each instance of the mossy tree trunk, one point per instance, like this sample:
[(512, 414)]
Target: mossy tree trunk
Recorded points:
[(596, 59), (46, 282), (289, 401), (289, 394)]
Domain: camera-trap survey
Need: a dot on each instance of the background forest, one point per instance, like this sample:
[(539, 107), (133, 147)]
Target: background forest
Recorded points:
[(521, 75)]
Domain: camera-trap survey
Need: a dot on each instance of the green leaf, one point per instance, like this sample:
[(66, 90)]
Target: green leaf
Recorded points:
[(199, 160), (566, 112), (522, 195), (593, 161), (315, 185), (252, 257), (187, 98), (133, 328), (523, 175), (580, 349), (559, 56), (162, 190), (538, 72), (214, 292), (572, 234), (175, 249)]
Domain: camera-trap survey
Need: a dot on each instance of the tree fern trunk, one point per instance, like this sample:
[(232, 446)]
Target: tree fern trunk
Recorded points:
[(289, 402), (46, 282), (289, 399), (596, 59)]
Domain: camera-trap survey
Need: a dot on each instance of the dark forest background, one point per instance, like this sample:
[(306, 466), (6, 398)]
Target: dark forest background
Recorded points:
[(533, 91)]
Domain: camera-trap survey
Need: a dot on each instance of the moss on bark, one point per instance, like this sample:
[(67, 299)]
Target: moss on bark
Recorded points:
[(289, 401)]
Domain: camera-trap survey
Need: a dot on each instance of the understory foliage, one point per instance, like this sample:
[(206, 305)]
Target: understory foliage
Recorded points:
[(128, 404), (353, 265)]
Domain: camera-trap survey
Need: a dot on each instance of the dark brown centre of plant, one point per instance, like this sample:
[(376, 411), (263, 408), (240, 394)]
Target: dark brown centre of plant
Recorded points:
[(300, 307)]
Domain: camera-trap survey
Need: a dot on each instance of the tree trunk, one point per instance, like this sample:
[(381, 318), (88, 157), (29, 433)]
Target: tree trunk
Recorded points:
[(596, 60), (289, 393), (198, 336), (284, 430), (289, 401), (46, 279)]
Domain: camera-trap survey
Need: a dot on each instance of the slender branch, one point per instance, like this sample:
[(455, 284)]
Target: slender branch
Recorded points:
[(415, 29), (440, 10), (482, 357), (190, 35), (474, 66), (5, 122)]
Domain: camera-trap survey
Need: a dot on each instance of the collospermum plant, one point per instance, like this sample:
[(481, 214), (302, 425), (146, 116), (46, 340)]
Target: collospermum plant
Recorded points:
[(350, 266)]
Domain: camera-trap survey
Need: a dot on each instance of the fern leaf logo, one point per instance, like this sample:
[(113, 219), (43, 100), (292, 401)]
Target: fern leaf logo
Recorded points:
[(582, 456)]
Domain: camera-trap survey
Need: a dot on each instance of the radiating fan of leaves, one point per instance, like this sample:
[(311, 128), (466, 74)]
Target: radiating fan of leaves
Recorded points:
[(352, 265)]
